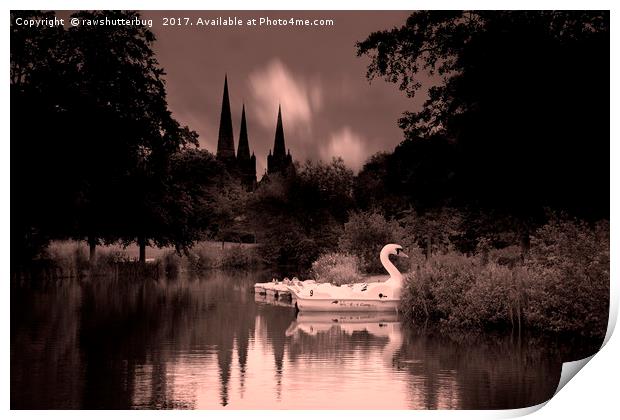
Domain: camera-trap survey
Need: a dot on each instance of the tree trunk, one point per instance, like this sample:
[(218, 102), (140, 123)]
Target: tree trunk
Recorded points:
[(92, 245), (142, 244)]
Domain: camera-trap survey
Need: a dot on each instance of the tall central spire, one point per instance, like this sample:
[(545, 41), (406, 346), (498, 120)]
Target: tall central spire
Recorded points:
[(280, 161), (278, 145), (243, 149), (225, 141)]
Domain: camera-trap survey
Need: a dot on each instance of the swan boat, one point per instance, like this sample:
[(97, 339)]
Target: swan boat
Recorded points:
[(366, 297), (276, 288)]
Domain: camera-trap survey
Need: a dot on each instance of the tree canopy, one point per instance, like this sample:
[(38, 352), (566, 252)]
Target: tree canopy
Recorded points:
[(521, 97), (92, 134)]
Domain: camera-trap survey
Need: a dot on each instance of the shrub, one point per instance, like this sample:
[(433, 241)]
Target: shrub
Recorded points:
[(239, 257), (365, 234), (569, 286), (204, 257), (460, 291), (434, 230), (562, 287), (68, 258), (509, 256), (171, 264), (336, 268), (288, 243), (201, 258), (114, 256)]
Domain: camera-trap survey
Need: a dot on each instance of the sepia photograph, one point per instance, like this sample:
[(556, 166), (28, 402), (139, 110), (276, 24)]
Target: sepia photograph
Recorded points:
[(306, 210)]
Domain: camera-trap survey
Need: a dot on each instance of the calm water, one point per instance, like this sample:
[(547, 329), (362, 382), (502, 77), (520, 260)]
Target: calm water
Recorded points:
[(208, 342)]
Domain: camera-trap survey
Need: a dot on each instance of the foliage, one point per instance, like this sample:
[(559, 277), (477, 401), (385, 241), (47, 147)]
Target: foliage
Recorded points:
[(370, 188), (460, 291), (434, 230), (103, 91), (298, 216), (207, 257), (569, 286), (509, 256), (69, 259), (365, 234), (171, 262), (324, 188), (499, 87), (497, 229), (336, 268), (423, 172), (562, 287), (205, 200)]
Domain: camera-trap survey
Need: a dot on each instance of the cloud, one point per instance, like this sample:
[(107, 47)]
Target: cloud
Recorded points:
[(275, 84), (348, 145)]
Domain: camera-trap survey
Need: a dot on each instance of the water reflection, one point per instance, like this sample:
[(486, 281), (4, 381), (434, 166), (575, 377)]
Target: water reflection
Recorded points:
[(209, 343)]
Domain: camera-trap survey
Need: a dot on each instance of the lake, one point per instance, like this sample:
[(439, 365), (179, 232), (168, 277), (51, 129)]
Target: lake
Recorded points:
[(207, 342)]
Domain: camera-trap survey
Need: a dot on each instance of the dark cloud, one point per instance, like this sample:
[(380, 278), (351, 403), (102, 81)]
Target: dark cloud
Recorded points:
[(328, 106)]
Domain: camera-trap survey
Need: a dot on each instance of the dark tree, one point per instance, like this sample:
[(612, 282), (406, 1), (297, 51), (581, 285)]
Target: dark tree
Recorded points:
[(422, 172), (369, 186), (298, 215), (127, 82), (95, 164), (323, 190), (196, 197), (42, 188), (524, 97)]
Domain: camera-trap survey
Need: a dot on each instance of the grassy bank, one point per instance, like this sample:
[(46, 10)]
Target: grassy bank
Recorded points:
[(212, 255), (70, 259), (561, 286)]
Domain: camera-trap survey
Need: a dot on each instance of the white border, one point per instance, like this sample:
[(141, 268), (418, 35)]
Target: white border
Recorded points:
[(592, 394)]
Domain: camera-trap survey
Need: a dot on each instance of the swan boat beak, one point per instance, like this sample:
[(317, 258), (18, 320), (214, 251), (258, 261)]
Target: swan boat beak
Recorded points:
[(402, 254)]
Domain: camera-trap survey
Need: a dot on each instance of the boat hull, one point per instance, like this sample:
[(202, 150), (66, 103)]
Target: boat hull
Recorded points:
[(346, 305)]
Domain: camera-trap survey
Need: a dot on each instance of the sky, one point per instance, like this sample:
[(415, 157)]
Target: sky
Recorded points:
[(329, 108)]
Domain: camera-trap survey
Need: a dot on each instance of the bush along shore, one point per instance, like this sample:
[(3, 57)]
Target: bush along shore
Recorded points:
[(70, 260), (205, 257), (560, 286)]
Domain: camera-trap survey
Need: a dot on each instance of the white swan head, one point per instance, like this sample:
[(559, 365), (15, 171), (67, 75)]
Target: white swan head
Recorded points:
[(393, 249)]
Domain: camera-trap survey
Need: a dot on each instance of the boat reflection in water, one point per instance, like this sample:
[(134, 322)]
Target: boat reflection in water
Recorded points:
[(206, 342), (286, 302), (377, 324)]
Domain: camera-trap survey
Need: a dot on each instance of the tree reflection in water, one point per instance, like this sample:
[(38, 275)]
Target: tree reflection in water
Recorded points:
[(204, 342)]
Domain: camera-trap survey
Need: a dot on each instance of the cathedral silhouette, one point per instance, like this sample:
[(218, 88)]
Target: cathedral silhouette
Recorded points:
[(242, 164)]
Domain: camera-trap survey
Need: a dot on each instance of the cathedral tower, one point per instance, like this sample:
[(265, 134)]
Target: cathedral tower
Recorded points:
[(246, 164), (225, 141), (280, 161)]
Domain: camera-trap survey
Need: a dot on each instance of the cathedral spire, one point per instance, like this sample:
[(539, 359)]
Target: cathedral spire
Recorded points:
[(278, 145), (225, 141), (243, 149), (246, 164), (279, 161)]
